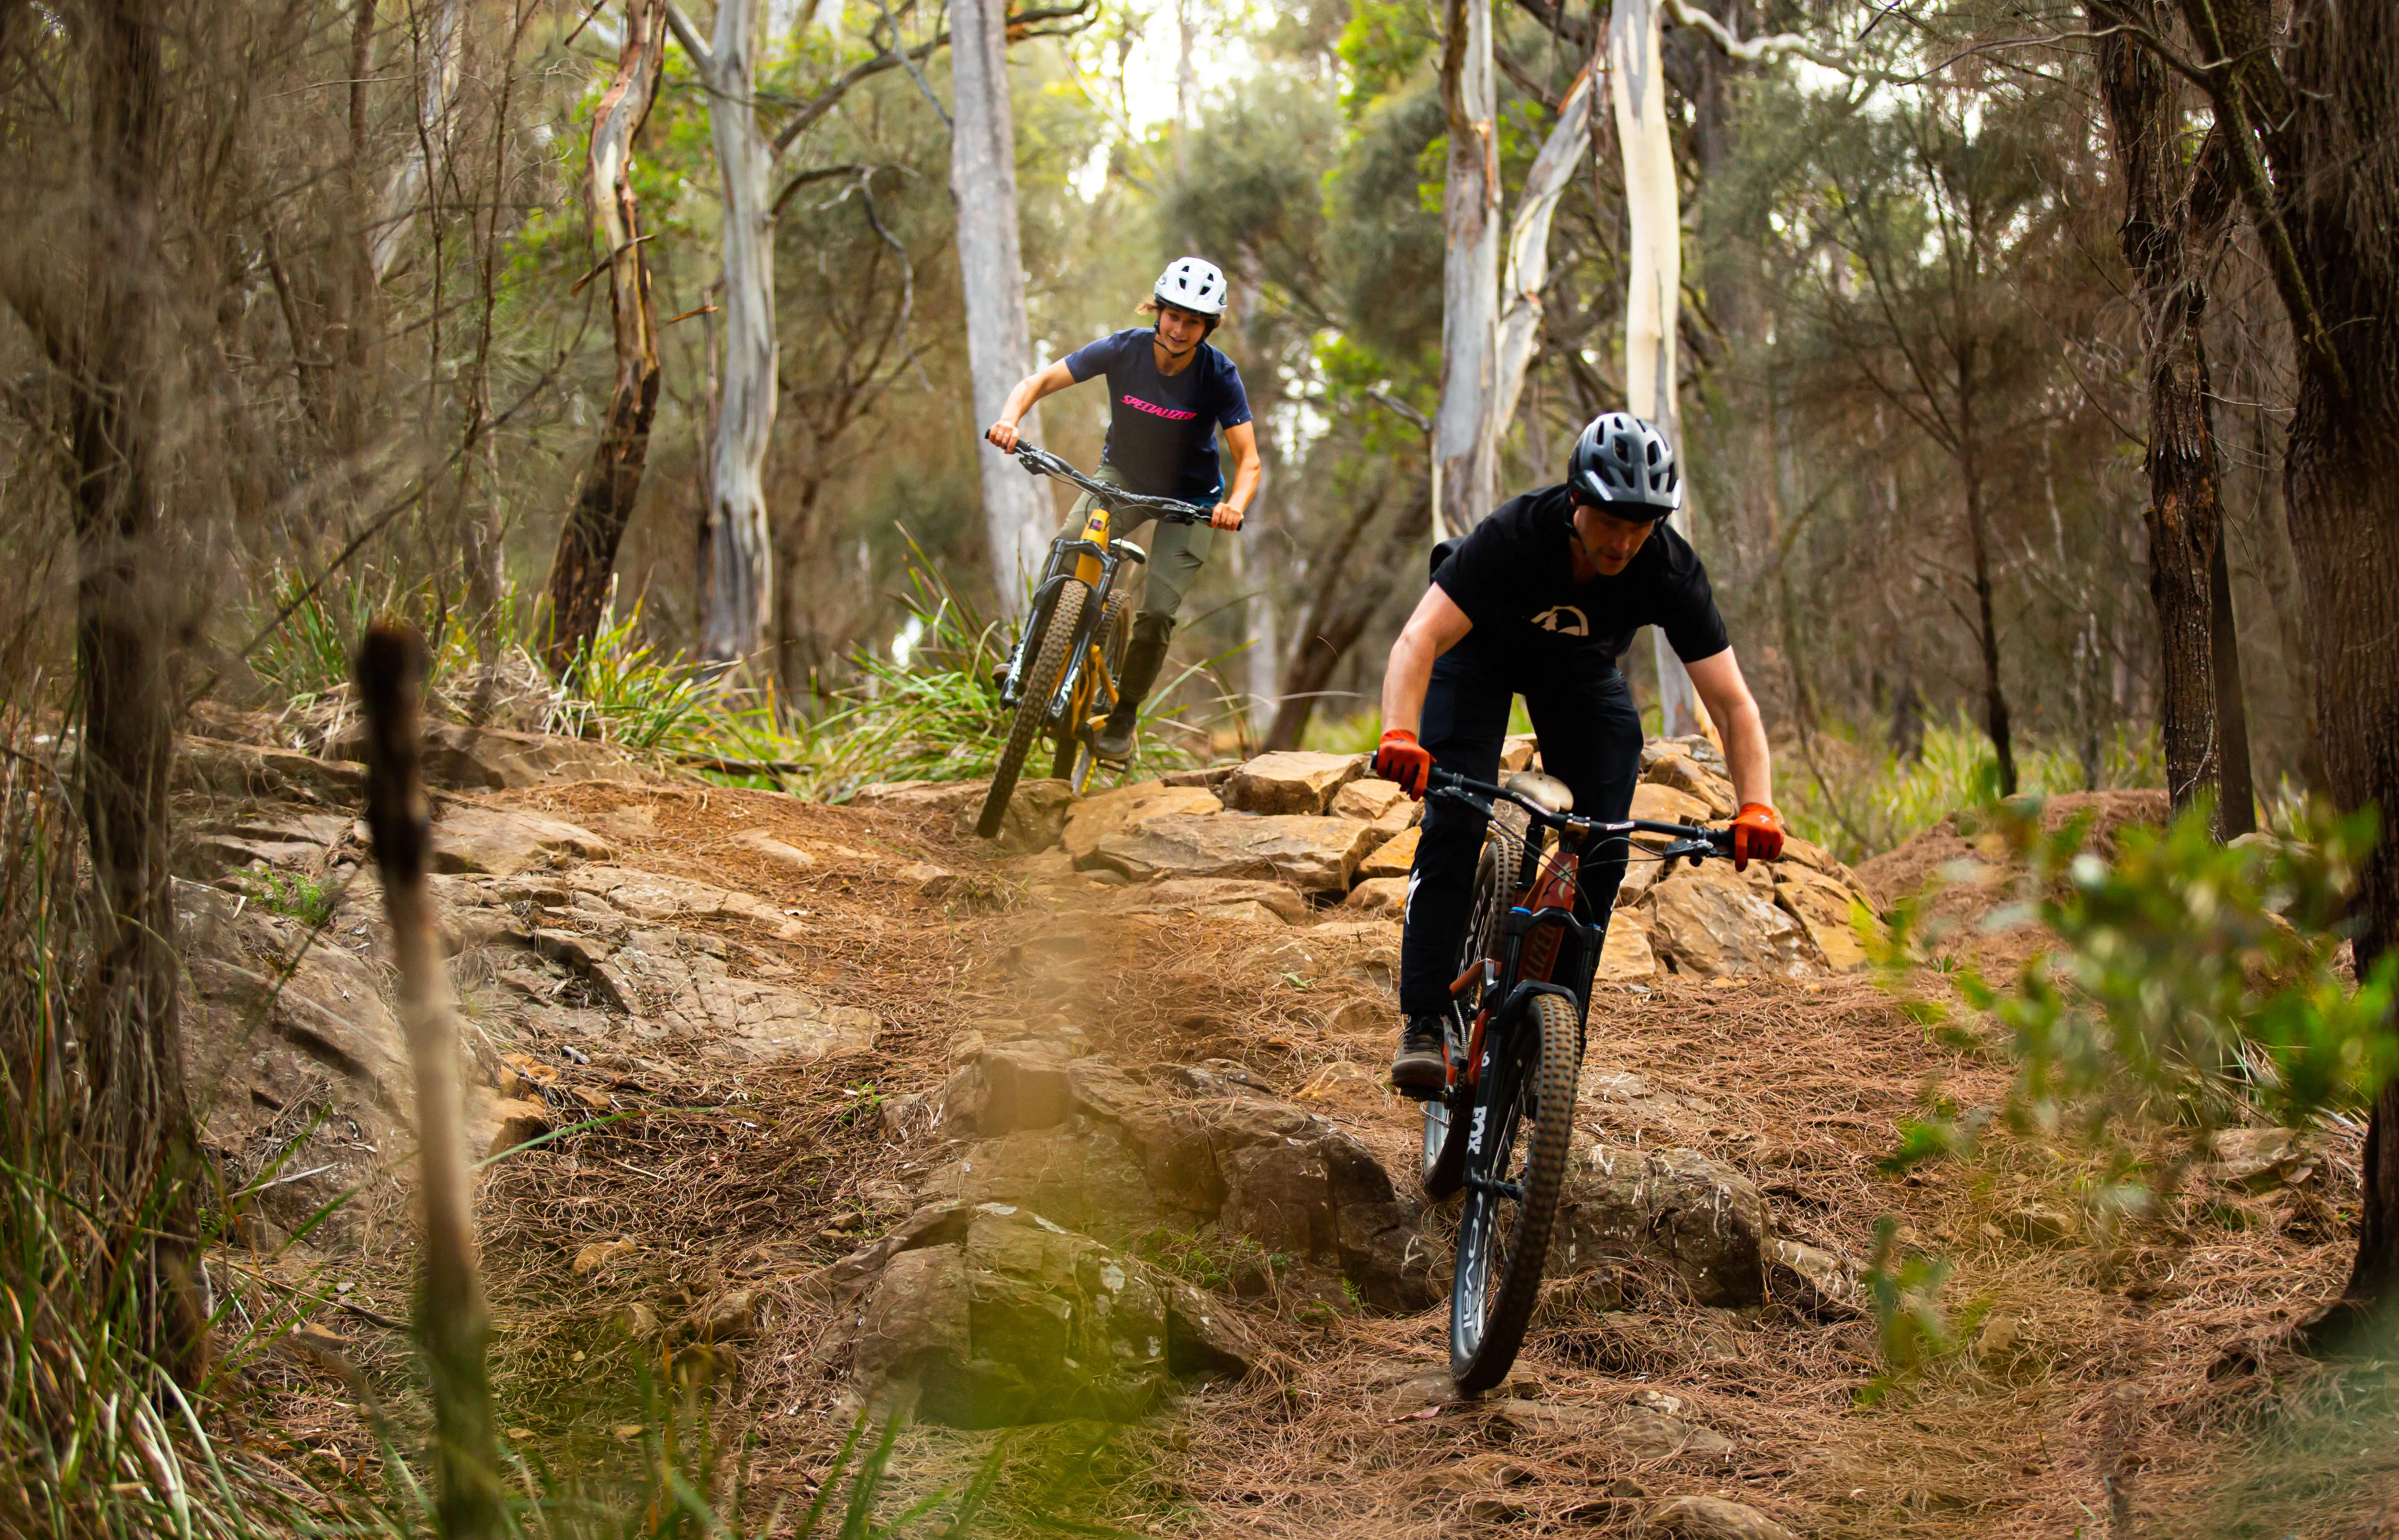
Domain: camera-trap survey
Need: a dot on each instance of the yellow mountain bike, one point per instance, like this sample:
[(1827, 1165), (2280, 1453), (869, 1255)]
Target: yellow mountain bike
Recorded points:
[(1060, 681)]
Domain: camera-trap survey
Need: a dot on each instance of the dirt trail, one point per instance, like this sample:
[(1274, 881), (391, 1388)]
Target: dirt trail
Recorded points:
[(733, 1187)]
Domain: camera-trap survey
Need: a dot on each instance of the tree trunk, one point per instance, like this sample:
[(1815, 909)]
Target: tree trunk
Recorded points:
[(1465, 469), (737, 577), (1528, 248), (452, 1324), (135, 1124), (437, 37), (1995, 719), (2325, 198), (2236, 812), (2170, 214), (1017, 513), (586, 561), (1653, 290)]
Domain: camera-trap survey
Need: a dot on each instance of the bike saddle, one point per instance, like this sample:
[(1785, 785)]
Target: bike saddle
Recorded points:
[(1548, 791)]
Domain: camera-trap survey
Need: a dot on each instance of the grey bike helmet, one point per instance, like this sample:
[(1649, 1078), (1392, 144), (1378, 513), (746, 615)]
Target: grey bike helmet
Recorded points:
[(1625, 466)]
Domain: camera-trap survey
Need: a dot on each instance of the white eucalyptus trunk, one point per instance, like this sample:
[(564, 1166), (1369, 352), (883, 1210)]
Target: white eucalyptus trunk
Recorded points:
[(1528, 248), (1016, 508), (439, 36), (1464, 473), (1654, 237), (737, 571)]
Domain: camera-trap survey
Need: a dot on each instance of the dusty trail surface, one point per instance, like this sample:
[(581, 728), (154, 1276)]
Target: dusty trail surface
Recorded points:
[(844, 1059)]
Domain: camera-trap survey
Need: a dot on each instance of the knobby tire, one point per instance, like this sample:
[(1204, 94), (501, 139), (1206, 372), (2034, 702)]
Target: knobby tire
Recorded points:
[(1500, 1255), (1032, 705)]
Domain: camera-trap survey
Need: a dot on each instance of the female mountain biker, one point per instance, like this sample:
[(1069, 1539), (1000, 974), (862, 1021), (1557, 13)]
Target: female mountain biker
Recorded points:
[(1169, 392), (1540, 600)]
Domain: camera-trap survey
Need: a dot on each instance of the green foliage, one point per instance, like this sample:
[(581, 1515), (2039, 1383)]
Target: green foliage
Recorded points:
[(292, 893), (1858, 800), (1915, 1332), (1381, 48), (625, 690), (2194, 983)]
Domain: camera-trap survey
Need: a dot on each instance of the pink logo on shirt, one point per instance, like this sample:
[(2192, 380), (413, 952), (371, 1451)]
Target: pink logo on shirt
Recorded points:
[(1168, 412)]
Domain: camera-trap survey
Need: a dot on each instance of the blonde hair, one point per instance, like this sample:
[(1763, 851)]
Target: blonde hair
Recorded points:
[(1151, 307)]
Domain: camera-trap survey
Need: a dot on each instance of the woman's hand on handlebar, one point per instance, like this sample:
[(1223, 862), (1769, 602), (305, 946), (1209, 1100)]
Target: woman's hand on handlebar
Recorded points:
[(1225, 517), (1003, 436)]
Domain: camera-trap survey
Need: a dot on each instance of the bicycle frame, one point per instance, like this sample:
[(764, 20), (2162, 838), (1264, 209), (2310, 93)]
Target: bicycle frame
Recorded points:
[(1544, 947), (1090, 558)]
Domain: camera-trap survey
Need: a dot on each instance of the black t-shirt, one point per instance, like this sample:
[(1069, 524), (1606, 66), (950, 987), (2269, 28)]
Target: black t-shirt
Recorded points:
[(1513, 575), (1162, 427)]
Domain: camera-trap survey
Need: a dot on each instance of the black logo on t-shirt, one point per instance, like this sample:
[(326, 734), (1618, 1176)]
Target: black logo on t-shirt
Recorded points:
[(1565, 619)]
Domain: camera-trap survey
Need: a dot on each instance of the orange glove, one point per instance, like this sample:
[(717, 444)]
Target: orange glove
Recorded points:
[(1402, 759), (1757, 835)]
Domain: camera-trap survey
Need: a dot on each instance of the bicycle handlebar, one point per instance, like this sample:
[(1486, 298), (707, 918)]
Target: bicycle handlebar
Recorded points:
[(1041, 461), (1691, 839)]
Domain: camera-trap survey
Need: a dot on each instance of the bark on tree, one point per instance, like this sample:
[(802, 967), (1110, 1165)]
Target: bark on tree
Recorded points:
[(438, 36), (736, 571), (2172, 214), (581, 570), (2236, 811), (2307, 128), (1527, 271), (135, 1121), (1017, 513), (1465, 468), (1654, 238), (452, 1321)]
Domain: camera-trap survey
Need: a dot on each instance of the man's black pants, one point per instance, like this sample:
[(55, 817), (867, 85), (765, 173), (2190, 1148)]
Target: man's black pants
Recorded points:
[(1590, 729)]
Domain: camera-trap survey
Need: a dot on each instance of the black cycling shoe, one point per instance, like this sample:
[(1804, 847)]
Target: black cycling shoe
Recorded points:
[(1421, 1067), (1114, 743)]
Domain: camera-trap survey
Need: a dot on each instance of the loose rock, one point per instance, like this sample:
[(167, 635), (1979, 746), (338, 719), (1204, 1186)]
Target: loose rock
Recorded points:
[(1313, 854), (503, 842), (1710, 923), (1395, 857), (1293, 781), (1632, 1212), (1094, 818)]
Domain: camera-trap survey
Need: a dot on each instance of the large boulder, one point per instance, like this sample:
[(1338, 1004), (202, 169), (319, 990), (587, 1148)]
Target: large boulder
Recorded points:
[(1315, 854), (1641, 1217), (1627, 957), (1710, 922), (1395, 857), (211, 766), (677, 983), (1095, 818), (1218, 898), (1378, 894), (1120, 1157), (1676, 770), (1666, 804), (502, 842), (494, 759), (987, 1315), (1821, 906), (1291, 781), (1036, 815), (1380, 803)]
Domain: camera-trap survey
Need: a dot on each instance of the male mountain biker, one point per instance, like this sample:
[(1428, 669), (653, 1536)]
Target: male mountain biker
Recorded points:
[(1540, 600), (1169, 392)]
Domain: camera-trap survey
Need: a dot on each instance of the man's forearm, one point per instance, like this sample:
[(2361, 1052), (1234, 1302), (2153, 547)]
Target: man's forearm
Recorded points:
[(1746, 754), (1405, 679)]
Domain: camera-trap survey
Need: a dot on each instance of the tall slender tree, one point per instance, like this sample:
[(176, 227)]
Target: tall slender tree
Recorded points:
[(1465, 466), (585, 560)]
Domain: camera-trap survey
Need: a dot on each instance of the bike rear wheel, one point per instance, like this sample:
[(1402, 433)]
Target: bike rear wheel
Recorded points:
[(1040, 682), (1524, 1109), (1445, 1117)]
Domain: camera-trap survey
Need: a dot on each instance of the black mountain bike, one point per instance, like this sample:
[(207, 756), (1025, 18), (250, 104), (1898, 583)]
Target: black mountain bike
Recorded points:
[(1061, 680), (1515, 1041)]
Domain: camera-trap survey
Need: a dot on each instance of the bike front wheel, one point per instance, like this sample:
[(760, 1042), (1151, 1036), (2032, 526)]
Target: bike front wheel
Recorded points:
[(1075, 762), (1033, 705), (1515, 1167)]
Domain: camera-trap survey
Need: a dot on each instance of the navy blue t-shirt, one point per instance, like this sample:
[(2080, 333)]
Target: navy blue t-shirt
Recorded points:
[(1162, 427)]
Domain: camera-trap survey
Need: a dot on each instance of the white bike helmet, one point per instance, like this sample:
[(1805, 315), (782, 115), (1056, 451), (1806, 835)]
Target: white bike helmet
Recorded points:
[(1193, 284)]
